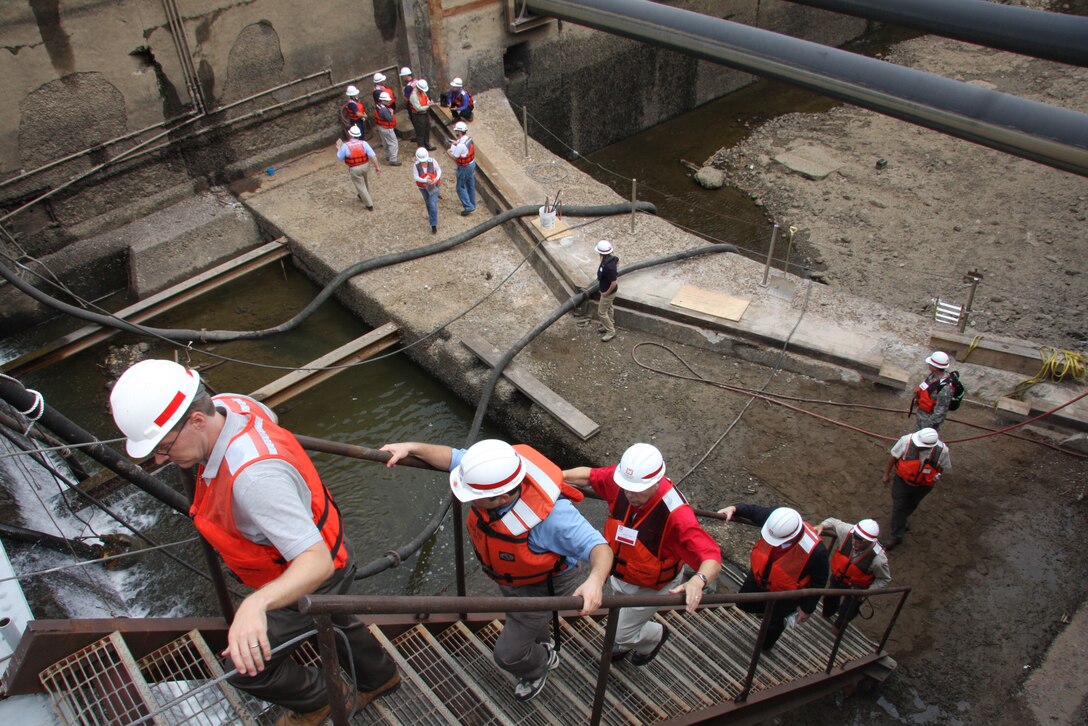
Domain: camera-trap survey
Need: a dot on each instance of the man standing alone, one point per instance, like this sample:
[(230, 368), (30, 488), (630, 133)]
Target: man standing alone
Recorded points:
[(609, 282), (463, 151), (358, 156), (918, 460)]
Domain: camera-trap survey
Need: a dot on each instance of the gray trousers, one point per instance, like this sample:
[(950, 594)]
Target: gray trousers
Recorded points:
[(389, 141), (359, 179), (634, 630), (519, 649), (286, 683)]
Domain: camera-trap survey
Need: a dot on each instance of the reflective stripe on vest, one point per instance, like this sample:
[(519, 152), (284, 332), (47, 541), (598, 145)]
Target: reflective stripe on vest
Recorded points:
[(641, 564), (787, 572), (914, 469), (470, 156)]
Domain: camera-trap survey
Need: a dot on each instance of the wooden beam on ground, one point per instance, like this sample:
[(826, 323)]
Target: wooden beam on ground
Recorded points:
[(1017, 357), (161, 302), (301, 380), (580, 424)]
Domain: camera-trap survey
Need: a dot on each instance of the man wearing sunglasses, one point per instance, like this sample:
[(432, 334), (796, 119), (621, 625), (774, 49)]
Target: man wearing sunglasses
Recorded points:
[(261, 504)]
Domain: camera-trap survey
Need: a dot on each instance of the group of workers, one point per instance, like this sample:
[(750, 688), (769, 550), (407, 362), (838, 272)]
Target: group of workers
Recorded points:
[(360, 158), (260, 502)]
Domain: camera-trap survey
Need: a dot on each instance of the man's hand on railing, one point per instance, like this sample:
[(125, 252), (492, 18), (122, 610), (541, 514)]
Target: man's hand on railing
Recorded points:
[(728, 512), (693, 593)]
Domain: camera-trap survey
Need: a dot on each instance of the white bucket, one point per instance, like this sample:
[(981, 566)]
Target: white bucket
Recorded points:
[(547, 219)]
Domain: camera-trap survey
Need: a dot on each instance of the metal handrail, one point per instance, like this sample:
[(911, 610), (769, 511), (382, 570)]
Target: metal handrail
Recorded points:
[(323, 607)]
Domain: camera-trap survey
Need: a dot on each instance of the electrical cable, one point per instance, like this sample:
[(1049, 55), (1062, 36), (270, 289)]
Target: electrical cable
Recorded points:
[(100, 561)]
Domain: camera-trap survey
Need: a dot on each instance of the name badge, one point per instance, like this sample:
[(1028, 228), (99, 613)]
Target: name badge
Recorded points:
[(626, 535)]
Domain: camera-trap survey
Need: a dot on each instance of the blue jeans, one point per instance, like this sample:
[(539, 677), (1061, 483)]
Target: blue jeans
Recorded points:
[(466, 186), (430, 198)]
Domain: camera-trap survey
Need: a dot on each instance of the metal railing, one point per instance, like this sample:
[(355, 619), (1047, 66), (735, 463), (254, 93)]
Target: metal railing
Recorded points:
[(323, 607)]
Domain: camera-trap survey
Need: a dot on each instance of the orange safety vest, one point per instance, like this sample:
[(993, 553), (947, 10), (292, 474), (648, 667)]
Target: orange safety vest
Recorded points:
[(470, 156), (423, 101), (259, 440), (913, 469), (354, 111), (785, 573), (850, 572), (427, 171), (379, 89), (381, 111), (356, 153), (639, 561), (502, 544), (926, 393)]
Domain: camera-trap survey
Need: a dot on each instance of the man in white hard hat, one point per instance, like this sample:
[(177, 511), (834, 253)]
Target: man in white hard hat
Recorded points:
[(918, 460), (608, 280), (261, 504), (428, 176), (419, 104), (653, 533), (352, 113), (858, 562), (463, 151), (528, 538), (787, 556), (380, 87), (934, 394), (359, 158), (461, 101), (386, 119)]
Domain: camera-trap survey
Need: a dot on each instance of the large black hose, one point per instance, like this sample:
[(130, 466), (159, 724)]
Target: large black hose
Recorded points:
[(221, 336)]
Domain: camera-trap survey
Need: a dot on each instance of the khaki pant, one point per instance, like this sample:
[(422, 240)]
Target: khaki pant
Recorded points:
[(359, 179), (605, 314)]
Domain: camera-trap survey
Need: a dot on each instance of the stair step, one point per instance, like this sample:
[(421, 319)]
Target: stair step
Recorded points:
[(414, 702), (728, 640)]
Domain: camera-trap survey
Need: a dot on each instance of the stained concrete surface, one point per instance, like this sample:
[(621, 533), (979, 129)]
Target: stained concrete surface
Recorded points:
[(984, 603)]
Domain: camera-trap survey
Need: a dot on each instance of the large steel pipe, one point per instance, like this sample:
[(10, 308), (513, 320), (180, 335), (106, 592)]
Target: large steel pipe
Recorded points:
[(1038, 33), (1049, 135)]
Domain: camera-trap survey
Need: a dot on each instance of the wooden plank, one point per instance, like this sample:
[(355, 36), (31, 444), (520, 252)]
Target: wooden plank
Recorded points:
[(301, 380), (893, 377), (1018, 357), (580, 424), (170, 298), (710, 303)]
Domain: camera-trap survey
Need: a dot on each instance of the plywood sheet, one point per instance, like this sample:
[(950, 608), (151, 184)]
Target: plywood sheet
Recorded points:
[(560, 230), (710, 303)]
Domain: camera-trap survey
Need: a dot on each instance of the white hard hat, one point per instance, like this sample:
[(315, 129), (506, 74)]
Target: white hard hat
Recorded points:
[(456, 83), (422, 85), (641, 466), (604, 247), (925, 437), (406, 71), (384, 96), (354, 132), (783, 525), (460, 126), (149, 399), (489, 468), (422, 155), (353, 91), (867, 529), (379, 78), (939, 359)]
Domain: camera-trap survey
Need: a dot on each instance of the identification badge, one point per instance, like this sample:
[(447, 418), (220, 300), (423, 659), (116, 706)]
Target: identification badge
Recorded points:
[(627, 536)]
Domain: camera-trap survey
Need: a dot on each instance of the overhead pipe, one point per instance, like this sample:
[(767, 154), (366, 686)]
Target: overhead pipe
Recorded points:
[(1047, 134), (1038, 33)]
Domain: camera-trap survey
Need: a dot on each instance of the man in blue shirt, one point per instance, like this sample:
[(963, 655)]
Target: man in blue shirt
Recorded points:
[(528, 538)]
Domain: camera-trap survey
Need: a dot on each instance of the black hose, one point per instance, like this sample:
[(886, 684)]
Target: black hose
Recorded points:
[(221, 336)]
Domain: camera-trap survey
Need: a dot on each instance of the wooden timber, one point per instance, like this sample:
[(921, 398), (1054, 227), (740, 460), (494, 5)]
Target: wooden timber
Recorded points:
[(1017, 357)]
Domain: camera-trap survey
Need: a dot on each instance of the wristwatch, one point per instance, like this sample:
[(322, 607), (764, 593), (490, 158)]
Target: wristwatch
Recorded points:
[(702, 577)]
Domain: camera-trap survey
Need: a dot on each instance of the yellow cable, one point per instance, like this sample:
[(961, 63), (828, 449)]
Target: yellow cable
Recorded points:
[(971, 348), (1057, 365)]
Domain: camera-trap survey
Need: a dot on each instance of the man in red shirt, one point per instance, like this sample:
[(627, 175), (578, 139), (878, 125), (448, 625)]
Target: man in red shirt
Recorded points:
[(653, 533)]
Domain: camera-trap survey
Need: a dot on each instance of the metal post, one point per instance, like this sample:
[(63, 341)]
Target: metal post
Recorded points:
[(459, 547), (634, 201), (891, 623), (525, 130), (605, 665), (770, 256), (974, 278), (789, 248), (756, 650), (330, 665)]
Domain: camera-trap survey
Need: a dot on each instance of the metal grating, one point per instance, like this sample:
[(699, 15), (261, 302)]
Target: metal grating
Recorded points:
[(99, 685)]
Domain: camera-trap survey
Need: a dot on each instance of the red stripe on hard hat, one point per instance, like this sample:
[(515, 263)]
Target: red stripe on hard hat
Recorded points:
[(861, 529), (653, 473), (172, 407), (507, 480)]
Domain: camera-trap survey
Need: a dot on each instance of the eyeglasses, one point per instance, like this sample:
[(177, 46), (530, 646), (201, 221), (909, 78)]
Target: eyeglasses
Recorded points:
[(164, 448)]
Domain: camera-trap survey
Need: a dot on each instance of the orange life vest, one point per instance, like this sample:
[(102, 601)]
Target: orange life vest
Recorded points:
[(502, 545), (470, 156), (423, 100), (926, 393), (428, 171), (913, 469), (381, 111), (785, 573), (259, 440), (356, 153), (640, 562), (853, 572), (379, 89), (354, 111)]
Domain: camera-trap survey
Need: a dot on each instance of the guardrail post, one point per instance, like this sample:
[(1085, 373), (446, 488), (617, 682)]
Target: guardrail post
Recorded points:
[(634, 201), (770, 256), (891, 623), (763, 628), (330, 664), (605, 666)]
